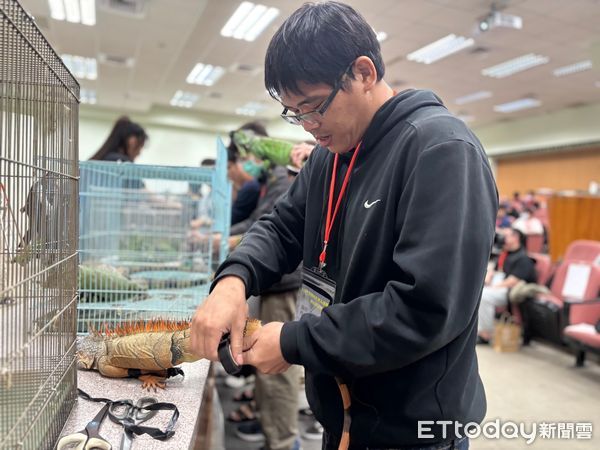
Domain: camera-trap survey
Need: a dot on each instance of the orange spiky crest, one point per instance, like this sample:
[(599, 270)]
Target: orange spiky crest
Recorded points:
[(141, 326)]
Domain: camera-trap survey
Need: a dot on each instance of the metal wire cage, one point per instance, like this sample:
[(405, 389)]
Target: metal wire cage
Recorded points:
[(38, 234), (147, 239)]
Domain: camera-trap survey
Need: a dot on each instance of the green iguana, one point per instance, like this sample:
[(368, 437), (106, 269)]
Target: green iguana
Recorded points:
[(147, 350), (273, 151), (106, 284)]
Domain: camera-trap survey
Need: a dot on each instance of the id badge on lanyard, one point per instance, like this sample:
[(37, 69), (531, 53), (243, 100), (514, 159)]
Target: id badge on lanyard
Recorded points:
[(317, 292)]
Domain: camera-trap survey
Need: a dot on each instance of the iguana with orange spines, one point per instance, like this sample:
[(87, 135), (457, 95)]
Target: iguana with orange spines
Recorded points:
[(147, 350)]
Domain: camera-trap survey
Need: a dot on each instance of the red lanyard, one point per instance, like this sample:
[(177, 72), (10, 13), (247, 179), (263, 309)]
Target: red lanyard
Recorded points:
[(331, 217)]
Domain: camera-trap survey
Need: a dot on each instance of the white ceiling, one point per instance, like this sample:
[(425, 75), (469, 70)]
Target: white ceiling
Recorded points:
[(174, 35)]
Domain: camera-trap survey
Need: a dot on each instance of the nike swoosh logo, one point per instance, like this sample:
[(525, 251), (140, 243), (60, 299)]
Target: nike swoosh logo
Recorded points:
[(368, 205)]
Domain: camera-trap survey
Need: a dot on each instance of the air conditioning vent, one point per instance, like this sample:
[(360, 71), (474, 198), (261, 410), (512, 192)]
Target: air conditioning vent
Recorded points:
[(116, 61), (130, 8), (246, 69)]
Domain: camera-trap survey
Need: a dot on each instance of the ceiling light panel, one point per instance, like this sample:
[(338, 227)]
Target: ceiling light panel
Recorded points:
[(381, 35), (88, 96), (248, 21), (475, 96), (573, 68), (82, 67), (250, 109), (74, 11), (517, 105), (184, 99), (515, 65), (205, 74), (440, 49)]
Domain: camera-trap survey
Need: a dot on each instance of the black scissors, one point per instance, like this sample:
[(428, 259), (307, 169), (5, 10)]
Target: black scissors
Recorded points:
[(129, 414), (88, 438)]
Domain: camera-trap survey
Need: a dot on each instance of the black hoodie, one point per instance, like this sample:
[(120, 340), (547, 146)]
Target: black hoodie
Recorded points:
[(409, 251)]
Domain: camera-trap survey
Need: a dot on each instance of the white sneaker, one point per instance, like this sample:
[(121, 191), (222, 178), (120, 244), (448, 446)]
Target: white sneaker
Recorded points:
[(238, 382), (314, 432)]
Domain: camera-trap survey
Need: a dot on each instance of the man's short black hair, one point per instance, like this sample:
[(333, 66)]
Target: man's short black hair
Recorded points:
[(316, 44)]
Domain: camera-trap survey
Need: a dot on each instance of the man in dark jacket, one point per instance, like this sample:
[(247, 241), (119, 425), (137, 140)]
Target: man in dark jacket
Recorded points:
[(393, 216), (513, 266)]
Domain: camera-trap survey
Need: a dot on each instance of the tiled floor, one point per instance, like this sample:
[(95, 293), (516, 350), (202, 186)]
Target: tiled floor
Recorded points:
[(537, 384)]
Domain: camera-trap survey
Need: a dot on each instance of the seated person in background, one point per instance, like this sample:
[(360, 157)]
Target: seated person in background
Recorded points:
[(516, 205), (528, 224), (503, 220), (513, 266)]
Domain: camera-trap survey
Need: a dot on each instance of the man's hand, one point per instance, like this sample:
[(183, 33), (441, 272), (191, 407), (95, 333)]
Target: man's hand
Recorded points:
[(225, 310), (300, 153), (263, 350)]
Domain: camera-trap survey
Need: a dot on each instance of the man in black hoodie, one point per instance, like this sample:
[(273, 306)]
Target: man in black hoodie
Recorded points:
[(396, 207)]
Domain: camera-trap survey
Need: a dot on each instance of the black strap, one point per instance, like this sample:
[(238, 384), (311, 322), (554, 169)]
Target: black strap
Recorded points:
[(128, 424)]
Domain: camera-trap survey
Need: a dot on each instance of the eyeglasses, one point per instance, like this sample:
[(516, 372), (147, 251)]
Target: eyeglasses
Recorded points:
[(316, 115)]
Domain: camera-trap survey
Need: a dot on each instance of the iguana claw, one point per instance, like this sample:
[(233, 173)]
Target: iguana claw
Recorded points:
[(152, 382)]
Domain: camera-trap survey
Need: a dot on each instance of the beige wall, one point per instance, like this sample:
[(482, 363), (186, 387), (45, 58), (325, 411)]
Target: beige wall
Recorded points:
[(568, 170), (565, 127)]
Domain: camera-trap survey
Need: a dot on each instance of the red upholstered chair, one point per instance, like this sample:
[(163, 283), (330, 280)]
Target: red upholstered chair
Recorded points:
[(543, 267), (582, 334), (583, 250), (535, 243), (545, 316), (542, 215)]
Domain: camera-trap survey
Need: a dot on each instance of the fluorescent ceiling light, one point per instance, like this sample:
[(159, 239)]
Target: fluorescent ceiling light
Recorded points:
[(440, 49), (475, 96), (515, 65), (88, 96), (248, 21), (184, 99), (81, 67), (573, 68), (381, 35), (205, 74), (517, 105), (74, 11), (250, 109)]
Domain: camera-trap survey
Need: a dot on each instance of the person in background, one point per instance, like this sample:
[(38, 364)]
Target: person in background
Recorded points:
[(246, 187), (301, 152), (513, 265), (276, 396), (244, 174), (527, 223), (516, 204), (503, 220), (124, 143)]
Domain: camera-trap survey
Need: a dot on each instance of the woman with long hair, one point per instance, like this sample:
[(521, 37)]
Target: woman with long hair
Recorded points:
[(124, 143)]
